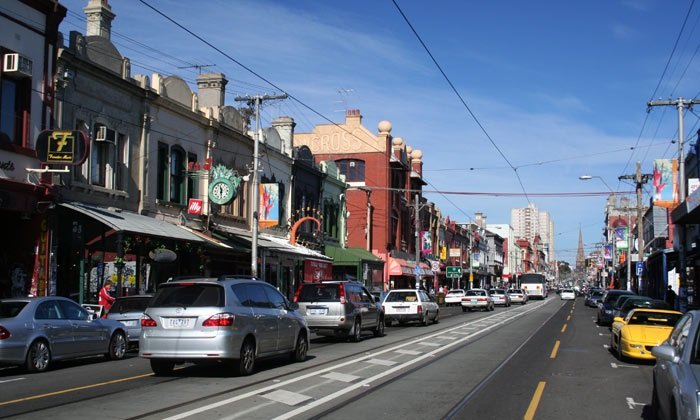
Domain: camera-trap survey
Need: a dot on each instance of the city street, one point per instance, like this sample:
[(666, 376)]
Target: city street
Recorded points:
[(544, 360)]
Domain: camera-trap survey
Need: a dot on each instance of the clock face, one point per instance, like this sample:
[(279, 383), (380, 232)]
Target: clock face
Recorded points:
[(220, 192)]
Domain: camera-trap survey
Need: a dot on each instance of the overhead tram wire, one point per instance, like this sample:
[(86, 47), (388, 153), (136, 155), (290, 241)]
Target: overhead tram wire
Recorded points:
[(464, 103)]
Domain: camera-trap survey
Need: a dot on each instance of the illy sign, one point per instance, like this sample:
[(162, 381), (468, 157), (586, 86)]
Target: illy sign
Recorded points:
[(195, 206)]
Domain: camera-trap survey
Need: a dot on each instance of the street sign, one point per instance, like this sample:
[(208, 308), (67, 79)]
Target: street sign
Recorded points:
[(453, 272), (640, 268)]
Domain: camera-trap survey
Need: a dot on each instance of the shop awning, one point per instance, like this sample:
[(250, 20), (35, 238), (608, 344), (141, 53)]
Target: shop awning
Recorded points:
[(272, 243), (351, 256), (126, 221), (400, 267)]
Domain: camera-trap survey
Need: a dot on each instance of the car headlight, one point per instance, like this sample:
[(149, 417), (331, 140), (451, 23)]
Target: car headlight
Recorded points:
[(636, 346)]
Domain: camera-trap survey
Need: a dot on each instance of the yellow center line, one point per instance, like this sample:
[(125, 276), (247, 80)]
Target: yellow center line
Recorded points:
[(555, 350), (79, 388), (532, 408), (568, 317), (563, 328)]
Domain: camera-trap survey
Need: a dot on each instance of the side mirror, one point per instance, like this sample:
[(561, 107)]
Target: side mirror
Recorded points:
[(618, 319), (666, 353)]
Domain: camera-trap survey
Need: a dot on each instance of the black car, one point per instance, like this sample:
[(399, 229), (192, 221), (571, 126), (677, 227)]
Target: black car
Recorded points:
[(593, 298), (605, 307), (641, 302)]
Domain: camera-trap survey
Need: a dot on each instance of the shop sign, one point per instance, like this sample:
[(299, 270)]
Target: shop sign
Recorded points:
[(162, 255), (455, 252), (195, 206), (316, 271), (12, 165), (62, 147)]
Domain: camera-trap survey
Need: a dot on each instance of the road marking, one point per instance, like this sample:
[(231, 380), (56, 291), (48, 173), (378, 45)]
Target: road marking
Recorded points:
[(532, 408), (286, 397), (568, 318), (381, 362), (563, 328), (605, 346), (615, 366), (554, 350), (342, 377), (12, 380), (631, 403), (602, 334), (79, 388)]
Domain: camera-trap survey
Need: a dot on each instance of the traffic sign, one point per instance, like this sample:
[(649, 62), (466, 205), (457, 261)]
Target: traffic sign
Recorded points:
[(640, 268), (453, 272)]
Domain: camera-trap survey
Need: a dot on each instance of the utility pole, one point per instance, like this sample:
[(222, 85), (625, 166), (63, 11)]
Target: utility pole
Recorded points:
[(680, 105), (256, 101), (639, 180), (418, 208)]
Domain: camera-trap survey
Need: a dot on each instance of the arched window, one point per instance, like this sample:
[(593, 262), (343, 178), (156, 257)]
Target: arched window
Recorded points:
[(353, 169)]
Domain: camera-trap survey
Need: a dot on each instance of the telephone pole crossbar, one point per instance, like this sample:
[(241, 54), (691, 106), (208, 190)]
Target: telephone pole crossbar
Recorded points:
[(256, 101)]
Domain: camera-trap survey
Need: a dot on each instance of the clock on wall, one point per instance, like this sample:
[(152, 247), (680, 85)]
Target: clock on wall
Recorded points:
[(224, 185)]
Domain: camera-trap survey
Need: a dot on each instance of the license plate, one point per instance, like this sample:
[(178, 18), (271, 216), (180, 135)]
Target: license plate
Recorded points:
[(474, 300), (316, 311), (401, 309), (181, 322)]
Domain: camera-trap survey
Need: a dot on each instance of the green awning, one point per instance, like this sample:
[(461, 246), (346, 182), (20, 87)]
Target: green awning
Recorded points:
[(351, 256)]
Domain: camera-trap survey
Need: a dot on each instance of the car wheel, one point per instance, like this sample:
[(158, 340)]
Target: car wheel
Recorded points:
[(621, 357), (300, 350), (379, 329), (437, 317), (356, 331), (162, 367), (38, 357), (246, 363), (117, 346)]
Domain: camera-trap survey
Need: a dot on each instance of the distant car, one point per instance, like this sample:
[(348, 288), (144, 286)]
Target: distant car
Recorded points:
[(341, 309), (593, 298), (477, 299), (230, 321), (568, 294), (604, 315), (676, 383), (500, 297), (37, 331), (454, 297), (517, 296), (405, 305), (635, 335), (128, 310)]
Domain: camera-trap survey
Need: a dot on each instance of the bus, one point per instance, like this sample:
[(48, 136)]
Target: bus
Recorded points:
[(534, 285)]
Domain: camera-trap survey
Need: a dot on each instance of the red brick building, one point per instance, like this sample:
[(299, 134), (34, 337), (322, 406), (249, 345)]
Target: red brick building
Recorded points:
[(383, 175)]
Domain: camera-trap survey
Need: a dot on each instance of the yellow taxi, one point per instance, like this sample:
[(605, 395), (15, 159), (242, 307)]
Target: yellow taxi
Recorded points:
[(643, 328)]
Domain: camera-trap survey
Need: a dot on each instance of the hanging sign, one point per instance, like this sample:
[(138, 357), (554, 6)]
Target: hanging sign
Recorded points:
[(62, 147)]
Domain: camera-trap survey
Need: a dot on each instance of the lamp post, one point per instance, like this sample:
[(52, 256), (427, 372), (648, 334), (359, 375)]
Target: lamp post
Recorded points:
[(607, 228)]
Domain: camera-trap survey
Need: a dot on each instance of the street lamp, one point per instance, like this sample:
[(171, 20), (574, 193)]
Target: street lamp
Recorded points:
[(587, 177), (610, 237)]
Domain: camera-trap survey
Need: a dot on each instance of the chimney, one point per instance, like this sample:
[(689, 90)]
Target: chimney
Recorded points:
[(285, 128), (99, 18), (353, 117), (417, 162), (211, 88)]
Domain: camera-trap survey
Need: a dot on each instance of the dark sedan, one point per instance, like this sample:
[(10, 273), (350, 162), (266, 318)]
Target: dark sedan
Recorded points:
[(37, 331), (605, 307), (593, 298)]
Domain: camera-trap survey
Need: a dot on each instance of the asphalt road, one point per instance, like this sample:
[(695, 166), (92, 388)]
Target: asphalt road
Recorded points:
[(501, 364)]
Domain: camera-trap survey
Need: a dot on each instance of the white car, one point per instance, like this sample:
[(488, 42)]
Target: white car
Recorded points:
[(517, 296), (477, 299), (405, 305), (454, 297), (568, 294)]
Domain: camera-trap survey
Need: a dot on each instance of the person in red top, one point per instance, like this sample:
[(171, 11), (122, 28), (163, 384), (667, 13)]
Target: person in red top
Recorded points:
[(105, 299)]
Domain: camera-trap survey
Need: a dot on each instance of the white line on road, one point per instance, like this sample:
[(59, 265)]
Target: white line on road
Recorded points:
[(615, 366), (12, 380), (631, 403)]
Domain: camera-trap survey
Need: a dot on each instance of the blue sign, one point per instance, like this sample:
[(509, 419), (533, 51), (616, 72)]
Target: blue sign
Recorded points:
[(640, 268)]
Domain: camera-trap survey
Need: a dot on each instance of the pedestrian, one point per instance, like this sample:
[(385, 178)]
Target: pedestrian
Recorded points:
[(105, 299), (671, 297)]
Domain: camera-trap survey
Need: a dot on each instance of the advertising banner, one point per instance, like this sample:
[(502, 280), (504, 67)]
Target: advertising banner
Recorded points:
[(426, 242), (607, 252), (621, 238), (665, 182), (269, 211)]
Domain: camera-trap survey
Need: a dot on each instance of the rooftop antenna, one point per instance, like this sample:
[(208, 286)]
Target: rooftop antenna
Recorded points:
[(199, 67)]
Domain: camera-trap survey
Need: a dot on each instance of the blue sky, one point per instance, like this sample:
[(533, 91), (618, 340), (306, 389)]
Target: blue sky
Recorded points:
[(560, 87)]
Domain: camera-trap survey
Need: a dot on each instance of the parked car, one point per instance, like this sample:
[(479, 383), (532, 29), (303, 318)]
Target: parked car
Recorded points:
[(477, 299), (37, 331), (636, 334), (568, 294), (235, 321), (639, 302), (604, 314), (676, 383), (404, 305), (500, 297), (340, 308), (517, 296), (128, 310), (454, 297), (593, 298)]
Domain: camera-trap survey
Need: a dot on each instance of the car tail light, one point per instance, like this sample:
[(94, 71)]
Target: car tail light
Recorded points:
[(224, 319), (420, 309), (342, 294), (4, 333), (147, 321), (296, 294)]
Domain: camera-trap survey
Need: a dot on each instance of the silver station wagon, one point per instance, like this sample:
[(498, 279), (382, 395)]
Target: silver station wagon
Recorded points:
[(232, 321)]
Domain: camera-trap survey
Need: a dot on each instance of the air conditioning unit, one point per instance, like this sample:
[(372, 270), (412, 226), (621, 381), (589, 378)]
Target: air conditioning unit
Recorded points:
[(17, 65), (105, 134)]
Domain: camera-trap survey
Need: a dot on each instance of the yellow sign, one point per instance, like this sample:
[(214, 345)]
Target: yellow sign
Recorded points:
[(443, 253), (61, 147)]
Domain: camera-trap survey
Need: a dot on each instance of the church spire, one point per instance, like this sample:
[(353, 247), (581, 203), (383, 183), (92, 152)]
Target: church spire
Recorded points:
[(580, 257)]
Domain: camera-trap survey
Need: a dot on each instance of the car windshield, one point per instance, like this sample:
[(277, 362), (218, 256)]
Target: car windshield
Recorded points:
[(189, 295), (653, 318), (11, 309), (401, 297), (498, 292), (319, 292), (475, 293), (612, 297), (455, 292), (130, 304), (515, 291)]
